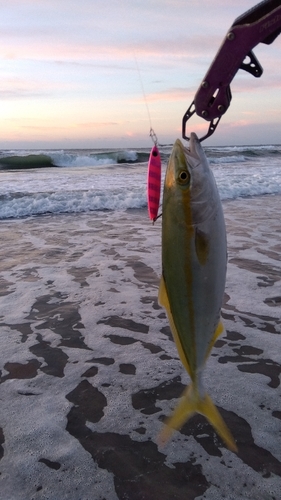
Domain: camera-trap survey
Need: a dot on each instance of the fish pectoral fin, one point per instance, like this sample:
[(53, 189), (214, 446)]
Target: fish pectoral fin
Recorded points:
[(163, 301), (190, 403), (218, 332)]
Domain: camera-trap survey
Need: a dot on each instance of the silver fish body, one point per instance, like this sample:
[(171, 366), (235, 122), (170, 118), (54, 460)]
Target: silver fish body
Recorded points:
[(194, 261), (194, 249)]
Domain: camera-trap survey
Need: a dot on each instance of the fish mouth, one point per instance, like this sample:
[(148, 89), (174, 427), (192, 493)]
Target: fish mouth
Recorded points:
[(193, 144), (193, 151)]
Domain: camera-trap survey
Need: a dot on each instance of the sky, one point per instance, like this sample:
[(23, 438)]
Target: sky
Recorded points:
[(93, 74)]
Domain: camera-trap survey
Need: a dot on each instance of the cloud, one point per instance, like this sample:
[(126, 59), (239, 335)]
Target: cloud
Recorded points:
[(60, 51), (97, 124), (74, 64), (23, 88), (43, 128), (239, 123), (17, 88), (72, 32), (170, 95), (256, 86)]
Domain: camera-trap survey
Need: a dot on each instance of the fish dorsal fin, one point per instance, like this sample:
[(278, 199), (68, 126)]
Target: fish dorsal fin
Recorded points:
[(164, 302)]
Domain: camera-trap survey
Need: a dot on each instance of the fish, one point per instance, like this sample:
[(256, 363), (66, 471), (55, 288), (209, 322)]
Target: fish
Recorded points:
[(194, 263), (153, 182)]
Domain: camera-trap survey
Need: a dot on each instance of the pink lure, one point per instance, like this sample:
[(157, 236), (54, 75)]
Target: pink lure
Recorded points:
[(153, 182)]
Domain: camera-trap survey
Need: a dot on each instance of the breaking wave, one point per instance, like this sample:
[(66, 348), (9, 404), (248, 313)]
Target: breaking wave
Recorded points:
[(10, 160), (74, 181)]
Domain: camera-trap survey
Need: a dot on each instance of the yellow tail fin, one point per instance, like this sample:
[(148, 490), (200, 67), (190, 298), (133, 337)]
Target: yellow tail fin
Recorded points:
[(191, 403)]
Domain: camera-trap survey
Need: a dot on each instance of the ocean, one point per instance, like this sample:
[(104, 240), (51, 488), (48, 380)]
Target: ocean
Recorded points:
[(88, 366), (70, 181)]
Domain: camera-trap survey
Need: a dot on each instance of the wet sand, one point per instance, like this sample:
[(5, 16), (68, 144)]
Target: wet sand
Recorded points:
[(89, 370)]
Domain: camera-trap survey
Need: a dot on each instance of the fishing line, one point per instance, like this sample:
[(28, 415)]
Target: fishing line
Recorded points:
[(152, 134), (154, 162), (142, 88)]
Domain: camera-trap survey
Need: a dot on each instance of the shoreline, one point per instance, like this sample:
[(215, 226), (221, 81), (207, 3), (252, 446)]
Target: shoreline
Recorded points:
[(89, 369)]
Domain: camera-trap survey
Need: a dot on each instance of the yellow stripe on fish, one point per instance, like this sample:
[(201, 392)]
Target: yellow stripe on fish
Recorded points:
[(194, 258)]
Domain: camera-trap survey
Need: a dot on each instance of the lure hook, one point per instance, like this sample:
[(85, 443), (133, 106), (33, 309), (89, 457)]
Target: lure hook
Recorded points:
[(153, 136)]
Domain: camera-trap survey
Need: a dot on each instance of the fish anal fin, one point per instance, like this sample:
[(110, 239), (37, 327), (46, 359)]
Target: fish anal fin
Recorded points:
[(191, 403), (163, 301), (218, 332), (162, 295)]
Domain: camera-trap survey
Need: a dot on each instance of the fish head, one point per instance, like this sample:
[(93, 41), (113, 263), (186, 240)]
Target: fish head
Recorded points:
[(190, 181), (178, 171)]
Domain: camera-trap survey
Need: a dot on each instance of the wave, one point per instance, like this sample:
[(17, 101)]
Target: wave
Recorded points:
[(25, 160), (98, 158), (233, 154), (116, 179), (21, 204), (25, 203), (228, 159)]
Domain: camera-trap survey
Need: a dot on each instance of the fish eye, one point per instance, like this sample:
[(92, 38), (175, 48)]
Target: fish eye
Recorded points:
[(183, 177)]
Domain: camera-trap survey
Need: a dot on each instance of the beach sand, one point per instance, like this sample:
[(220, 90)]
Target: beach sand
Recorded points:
[(89, 369)]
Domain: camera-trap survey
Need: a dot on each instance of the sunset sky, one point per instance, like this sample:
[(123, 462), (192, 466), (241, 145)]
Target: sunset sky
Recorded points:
[(88, 73)]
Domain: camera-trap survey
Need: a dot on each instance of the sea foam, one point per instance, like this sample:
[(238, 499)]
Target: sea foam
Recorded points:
[(87, 180)]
